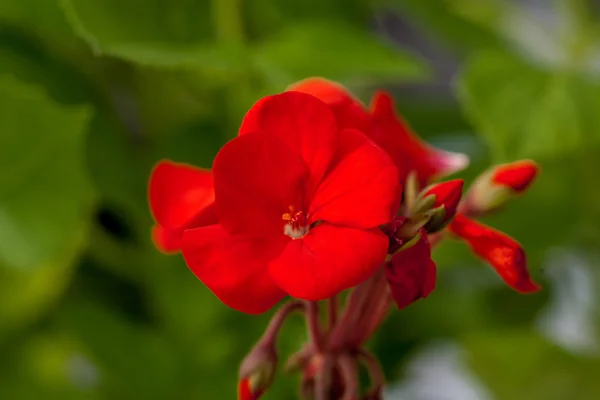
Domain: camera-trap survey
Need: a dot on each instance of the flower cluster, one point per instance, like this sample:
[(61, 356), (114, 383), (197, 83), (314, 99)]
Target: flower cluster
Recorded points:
[(319, 194)]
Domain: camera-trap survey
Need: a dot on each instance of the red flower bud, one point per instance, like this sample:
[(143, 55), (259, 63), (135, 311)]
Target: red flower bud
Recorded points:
[(517, 175), (495, 187), (257, 371), (441, 200), (504, 253), (447, 194), (246, 391), (411, 273)]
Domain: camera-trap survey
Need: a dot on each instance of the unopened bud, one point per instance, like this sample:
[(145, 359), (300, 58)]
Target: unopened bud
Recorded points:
[(498, 185), (439, 202), (257, 372)]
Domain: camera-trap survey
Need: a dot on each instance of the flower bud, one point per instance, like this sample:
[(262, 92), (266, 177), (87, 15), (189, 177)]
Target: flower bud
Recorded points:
[(440, 202), (257, 372), (495, 187)]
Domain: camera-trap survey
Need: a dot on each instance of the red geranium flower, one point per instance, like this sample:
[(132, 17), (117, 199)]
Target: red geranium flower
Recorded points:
[(501, 251), (386, 128), (299, 202), (181, 197)]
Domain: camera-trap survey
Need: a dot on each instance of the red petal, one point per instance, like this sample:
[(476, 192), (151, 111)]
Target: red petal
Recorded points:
[(233, 268), (181, 196), (306, 125), (167, 241), (517, 175), (407, 150), (257, 179), (411, 274), (327, 260), (504, 253), (179, 192), (348, 110), (362, 189)]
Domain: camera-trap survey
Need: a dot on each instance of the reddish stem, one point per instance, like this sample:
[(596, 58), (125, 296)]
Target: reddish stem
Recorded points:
[(374, 368), (349, 374), (323, 379), (313, 325), (270, 334), (332, 305)]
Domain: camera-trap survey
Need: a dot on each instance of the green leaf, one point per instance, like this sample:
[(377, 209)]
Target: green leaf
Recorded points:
[(154, 33), (134, 360), (453, 21), (521, 365), (45, 197), (526, 112), (336, 51)]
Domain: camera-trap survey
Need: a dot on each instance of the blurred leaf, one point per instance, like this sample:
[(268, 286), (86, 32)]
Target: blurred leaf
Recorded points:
[(49, 366), (526, 112), (32, 293), (45, 199), (31, 62), (41, 17), (264, 17), (134, 361), (45, 196), (449, 20), (174, 34), (521, 365), (334, 50)]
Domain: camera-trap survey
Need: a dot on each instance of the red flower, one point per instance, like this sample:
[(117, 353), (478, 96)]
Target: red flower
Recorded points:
[(411, 273), (299, 203), (387, 129), (348, 110), (503, 252), (409, 152), (245, 391), (517, 175), (181, 197)]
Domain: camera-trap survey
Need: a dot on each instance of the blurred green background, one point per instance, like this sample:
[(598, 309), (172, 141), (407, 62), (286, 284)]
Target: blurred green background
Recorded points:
[(94, 92)]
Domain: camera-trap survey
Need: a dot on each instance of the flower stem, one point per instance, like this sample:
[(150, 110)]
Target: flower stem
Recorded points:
[(313, 325), (332, 305), (270, 334), (374, 368), (349, 374), (323, 379)]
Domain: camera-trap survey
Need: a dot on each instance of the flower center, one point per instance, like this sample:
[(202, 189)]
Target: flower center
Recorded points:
[(294, 223)]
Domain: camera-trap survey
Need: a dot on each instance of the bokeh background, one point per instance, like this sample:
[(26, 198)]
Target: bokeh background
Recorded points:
[(94, 92)]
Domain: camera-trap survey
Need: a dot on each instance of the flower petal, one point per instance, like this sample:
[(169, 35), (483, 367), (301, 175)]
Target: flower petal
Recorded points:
[(407, 150), (178, 192), (348, 110), (233, 268), (166, 240), (305, 124), (257, 179), (411, 273), (327, 260), (500, 250), (362, 188)]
